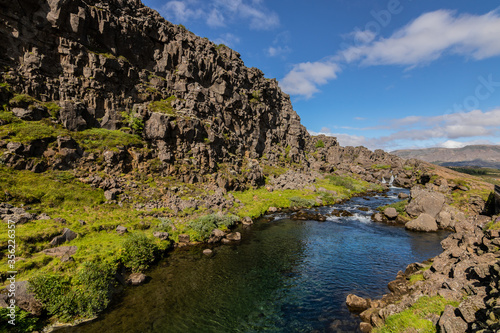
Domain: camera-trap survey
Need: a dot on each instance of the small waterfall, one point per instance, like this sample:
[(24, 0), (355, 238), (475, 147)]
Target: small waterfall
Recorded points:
[(391, 180), (384, 181)]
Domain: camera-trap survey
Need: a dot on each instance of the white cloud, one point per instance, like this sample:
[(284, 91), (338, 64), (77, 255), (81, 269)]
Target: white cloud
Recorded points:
[(422, 41), (218, 13), (431, 36), (274, 51), (304, 78), (346, 139), (215, 19), (451, 131), (180, 11), (227, 39)]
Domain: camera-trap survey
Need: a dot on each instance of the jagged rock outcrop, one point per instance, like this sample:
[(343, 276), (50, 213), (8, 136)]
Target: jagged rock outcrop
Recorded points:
[(104, 61)]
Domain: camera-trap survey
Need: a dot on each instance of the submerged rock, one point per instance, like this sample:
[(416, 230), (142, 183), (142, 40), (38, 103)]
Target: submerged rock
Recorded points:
[(136, 279)]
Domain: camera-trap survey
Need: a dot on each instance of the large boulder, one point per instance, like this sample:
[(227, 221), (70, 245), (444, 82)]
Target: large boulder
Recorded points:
[(391, 213), (448, 217), (356, 303), (424, 222), (450, 322), (24, 299), (425, 201)]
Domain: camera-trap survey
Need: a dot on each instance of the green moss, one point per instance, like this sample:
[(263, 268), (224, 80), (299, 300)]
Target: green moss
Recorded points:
[(320, 144), (381, 166), (256, 96), (399, 206), (163, 106), (22, 100), (53, 109), (416, 277), (100, 139), (26, 131), (414, 317)]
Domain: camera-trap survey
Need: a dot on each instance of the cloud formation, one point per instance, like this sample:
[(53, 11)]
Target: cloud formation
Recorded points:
[(426, 39), (218, 13), (305, 78), (472, 127)]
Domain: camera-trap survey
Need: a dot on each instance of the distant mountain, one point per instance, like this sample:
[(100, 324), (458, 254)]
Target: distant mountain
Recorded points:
[(487, 156)]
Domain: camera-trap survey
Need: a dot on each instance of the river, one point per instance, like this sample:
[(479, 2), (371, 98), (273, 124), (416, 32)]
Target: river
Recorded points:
[(284, 276)]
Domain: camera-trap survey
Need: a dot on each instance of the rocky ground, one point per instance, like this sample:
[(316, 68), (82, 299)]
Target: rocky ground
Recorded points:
[(457, 291)]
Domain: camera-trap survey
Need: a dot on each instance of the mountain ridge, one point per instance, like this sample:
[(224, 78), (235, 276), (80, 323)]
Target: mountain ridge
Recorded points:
[(473, 155)]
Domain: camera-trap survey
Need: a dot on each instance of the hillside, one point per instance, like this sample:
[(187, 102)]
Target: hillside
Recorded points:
[(486, 156), (123, 135)]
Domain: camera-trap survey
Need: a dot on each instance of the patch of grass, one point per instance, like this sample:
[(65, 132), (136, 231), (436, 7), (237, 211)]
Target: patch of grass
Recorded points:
[(347, 182), (49, 189), (100, 139), (200, 228), (399, 206), (24, 322), (276, 171), (8, 117), (300, 202), (381, 166), (414, 317), (320, 144), (163, 106), (256, 95), (416, 277), (22, 100), (26, 131), (53, 108)]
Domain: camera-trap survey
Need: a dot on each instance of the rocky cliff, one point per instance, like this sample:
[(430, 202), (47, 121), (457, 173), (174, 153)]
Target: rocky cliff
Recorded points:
[(118, 64)]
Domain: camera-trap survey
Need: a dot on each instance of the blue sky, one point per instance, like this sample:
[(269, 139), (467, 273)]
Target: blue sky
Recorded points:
[(388, 74)]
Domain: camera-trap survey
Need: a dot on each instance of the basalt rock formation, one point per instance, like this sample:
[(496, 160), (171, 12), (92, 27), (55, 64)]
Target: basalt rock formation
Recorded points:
[(106, 62), (200, 113)]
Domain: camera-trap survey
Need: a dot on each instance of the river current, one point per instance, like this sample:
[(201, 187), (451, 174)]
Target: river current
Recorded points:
[(284, 276)]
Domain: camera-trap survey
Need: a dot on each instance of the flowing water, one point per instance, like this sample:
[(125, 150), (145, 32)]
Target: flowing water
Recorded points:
[(284, 276)]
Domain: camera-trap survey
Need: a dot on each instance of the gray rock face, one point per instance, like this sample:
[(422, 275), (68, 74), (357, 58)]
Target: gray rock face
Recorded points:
[(424, 222), (425, 201), (66, 236), (161, 235), (450, 322), (97, 59), (24, 299), (356, 303)]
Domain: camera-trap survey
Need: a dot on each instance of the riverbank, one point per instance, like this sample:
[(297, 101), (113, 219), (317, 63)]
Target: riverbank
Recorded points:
[(455, 291), (127, 239)]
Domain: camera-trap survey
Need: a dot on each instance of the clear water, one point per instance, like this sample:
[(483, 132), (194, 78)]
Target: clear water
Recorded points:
[(285, 276)]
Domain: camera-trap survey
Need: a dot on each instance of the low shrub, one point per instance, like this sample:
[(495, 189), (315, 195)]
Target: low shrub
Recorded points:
[(301, 202), (346, 182), (202, 227), (138, 252), (320, 144), (24, 321), (84, 295)]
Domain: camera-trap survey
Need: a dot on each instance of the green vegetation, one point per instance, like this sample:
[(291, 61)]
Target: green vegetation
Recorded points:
[(163, 106), (399, 206), (26, 131), (320, 144), (25, 322), (138, 252), (414, 317), (100, 139), (381, 166), (83, 295), (256, 95), (257, 201), (53, 108), (22, 100), (134, 121), (489, 175), (416, 277), (200, 228), (300, 202)]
